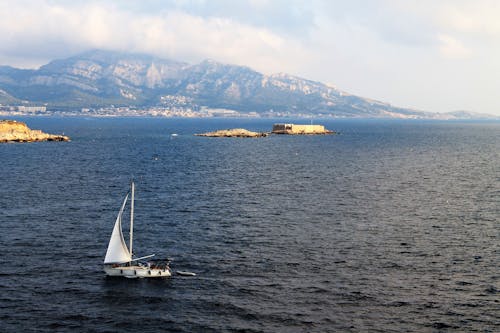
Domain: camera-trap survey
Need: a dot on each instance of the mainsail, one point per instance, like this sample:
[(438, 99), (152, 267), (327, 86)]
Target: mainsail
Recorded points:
[(118, 252)]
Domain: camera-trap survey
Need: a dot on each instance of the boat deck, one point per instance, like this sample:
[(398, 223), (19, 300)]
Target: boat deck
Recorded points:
[(137, 271)]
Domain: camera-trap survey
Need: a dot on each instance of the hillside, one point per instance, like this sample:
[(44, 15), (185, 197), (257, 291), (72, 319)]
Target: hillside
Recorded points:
[(103, 78)]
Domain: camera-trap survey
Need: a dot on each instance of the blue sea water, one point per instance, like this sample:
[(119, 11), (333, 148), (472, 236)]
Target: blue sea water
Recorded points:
[(391, 226)]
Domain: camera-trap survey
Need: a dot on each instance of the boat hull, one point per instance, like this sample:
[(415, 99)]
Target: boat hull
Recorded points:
[(133, 272)]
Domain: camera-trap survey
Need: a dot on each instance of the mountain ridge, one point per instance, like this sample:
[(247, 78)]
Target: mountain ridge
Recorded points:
[(100, 78)]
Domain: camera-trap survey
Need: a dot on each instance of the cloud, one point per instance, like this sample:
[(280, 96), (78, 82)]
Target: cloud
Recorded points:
[(452, 48), (51, 30), (283, 16), (471, 17)]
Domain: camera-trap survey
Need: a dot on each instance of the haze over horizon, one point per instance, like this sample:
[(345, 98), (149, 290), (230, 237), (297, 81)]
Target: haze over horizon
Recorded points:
[(432, 56)]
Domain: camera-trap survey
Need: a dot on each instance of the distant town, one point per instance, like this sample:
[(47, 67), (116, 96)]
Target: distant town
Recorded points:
[(133, 111)]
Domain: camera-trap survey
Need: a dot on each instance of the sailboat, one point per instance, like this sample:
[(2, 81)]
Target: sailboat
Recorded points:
[(119, 259)]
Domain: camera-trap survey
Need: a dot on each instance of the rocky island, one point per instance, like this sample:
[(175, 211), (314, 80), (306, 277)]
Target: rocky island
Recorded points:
[(16, 131), (234, 133)]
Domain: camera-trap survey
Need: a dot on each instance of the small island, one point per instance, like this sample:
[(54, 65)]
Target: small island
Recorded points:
[(16, 131), (289, 129), (234, 133)]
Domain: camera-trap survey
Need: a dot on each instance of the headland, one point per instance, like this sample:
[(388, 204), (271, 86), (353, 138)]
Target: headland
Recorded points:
[(16, 131)]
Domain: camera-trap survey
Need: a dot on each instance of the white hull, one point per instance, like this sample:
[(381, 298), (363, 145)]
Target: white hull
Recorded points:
[(137, 272)]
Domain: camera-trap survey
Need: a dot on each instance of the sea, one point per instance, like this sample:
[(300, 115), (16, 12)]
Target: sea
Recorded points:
[(387, 226)]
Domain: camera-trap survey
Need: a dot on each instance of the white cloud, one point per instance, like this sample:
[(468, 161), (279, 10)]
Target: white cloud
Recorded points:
[(58, 31), (471, 17), (452, 48)]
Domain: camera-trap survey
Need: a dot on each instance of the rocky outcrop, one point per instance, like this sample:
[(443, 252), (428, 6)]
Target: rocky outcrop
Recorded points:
[(16, 131), (234, 133)]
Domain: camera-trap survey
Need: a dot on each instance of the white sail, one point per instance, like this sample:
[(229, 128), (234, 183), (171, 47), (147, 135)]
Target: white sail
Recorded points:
[(118, 252)]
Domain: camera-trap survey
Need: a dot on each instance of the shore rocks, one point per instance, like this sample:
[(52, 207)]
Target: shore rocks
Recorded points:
[(234, 133), (16, 131)]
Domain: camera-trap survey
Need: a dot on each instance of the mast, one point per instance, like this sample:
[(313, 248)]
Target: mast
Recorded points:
[(132, 219)]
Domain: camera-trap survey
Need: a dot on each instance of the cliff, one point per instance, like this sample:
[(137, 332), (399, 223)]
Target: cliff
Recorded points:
[(15, 131)]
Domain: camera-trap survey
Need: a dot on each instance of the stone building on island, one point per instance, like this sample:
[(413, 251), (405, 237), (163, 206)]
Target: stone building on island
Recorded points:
[(295, 129)]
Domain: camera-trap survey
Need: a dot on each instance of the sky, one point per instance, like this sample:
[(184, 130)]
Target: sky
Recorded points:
[(436, 56)]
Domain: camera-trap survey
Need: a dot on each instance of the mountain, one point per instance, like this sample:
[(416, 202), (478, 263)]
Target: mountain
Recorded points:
[(104, 78)]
